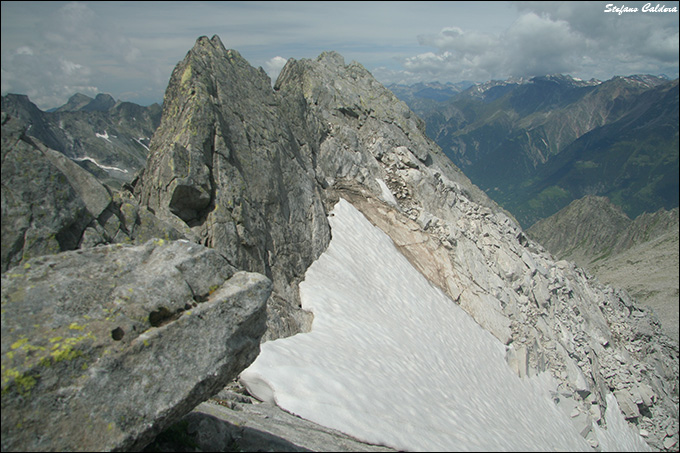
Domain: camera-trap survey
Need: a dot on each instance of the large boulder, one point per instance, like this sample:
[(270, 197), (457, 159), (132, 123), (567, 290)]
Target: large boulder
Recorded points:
[(103, 348)]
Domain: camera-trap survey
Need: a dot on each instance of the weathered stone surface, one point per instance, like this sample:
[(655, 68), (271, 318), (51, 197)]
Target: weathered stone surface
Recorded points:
[(225, 165), (626, 403), (103, 348), (50, 204)]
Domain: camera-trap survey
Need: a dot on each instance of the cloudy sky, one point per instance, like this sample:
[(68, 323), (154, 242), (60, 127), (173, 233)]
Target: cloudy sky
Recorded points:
[(51, 50)]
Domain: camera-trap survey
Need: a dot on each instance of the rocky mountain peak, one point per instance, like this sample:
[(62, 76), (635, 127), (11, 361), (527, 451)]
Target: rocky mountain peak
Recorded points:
[(82, 103), (101, 103), (331, 58), (254, 172), (590, 223), (226, 169), (75, 103)]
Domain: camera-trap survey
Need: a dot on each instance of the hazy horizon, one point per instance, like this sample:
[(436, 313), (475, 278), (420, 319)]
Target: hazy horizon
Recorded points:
[(52, 50)]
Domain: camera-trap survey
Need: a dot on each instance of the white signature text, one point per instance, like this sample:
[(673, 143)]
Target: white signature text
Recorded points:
[(648, 8)]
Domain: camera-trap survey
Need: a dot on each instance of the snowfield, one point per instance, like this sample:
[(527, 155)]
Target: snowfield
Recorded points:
[(392, 360)]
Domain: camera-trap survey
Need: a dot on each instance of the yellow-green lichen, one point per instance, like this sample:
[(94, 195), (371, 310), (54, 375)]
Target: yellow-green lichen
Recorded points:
[(186, 75), (19, 343), (65, 350), (23, 382)]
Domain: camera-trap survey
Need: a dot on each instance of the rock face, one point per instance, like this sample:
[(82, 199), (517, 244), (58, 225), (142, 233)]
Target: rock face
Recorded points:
[(244, 169), (233, 421), (251, 172), (227, 169), (110, 139), (105, 347), (50, 204)]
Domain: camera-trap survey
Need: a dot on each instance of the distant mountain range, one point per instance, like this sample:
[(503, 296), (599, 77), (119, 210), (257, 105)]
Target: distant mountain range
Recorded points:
[(534, 145), (109, 138)]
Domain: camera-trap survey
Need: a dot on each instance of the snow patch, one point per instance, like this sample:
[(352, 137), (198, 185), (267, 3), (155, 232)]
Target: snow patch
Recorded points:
[(105, 136), (103, 167), (386, 193), (392, 360), (139, 140)]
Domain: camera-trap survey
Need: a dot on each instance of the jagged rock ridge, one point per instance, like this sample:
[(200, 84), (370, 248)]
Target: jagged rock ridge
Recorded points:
[(226, 167), (108, 138), (252, 172), (346, 135)]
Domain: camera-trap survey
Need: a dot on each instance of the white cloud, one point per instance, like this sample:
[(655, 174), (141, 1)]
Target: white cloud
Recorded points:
[(24, 50), (47, 80), (550, 37), (274, 66), (533, 45), (131, 47), (72, 49), (70, 68)]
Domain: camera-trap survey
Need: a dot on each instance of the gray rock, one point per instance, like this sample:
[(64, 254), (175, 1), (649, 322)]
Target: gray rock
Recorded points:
[(107, 138), (103, 348), (264, 427), (50, 204), (518, 359), (670, 442), (43, 211), (626, 403), (225, 165)]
